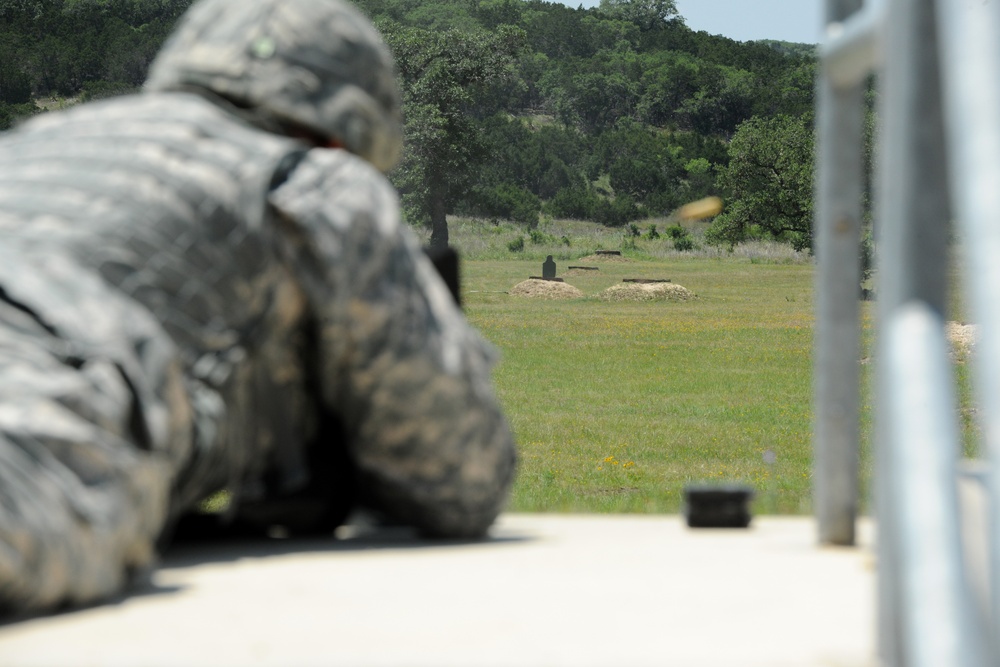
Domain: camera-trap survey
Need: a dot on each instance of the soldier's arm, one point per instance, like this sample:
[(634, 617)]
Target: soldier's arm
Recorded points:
[(399, 364)]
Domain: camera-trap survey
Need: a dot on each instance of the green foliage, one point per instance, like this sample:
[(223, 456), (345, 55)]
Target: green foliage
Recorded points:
[(651, 233), (11, 114), (791, 48), (675, 231), (15, 84), (769, 180), (646, 14), (444, 76), (541, 238), (792, 92), (684, 243), (576, 203), (494, 13), (633, 230), (616, 212), (97, 90), (429, 15), (698, 166), (478, 238), (540, 159), (505, 201), (55, 47), (641, 163), (511, 107), (681, 237), (517, 245), (867, 254), (699, 181)]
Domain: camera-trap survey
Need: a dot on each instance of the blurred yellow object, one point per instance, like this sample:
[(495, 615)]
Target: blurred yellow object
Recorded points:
[(703, 208)]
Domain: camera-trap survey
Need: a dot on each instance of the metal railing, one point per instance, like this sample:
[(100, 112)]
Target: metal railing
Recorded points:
[(937, 67)]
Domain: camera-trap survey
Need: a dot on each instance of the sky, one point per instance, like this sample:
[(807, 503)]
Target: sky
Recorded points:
[(743, 20)]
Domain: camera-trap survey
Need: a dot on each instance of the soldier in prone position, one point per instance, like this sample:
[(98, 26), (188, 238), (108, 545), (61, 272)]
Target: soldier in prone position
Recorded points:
[(207, 286)]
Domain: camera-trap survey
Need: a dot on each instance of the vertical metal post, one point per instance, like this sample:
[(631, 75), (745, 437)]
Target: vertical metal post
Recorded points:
[(912, 214), (927, 612), (937, 616), (970, 49), (837, 228)]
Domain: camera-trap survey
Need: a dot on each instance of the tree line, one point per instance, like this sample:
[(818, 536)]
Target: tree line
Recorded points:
[(515, 108)]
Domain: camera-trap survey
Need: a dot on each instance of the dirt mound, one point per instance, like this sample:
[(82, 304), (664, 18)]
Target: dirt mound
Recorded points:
[(603, 258), (545, 289), (647, 292)]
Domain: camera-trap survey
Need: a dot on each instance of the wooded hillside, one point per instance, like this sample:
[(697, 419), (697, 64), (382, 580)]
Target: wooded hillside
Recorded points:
[(514, 109)]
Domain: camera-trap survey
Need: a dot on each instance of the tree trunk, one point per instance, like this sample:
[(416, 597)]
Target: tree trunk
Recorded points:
[(439, 223)]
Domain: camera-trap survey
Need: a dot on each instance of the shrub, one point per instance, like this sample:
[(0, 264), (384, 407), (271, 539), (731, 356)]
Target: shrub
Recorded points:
[(505, 201), (575, 203), (676, 232), (526, 211), (684, 244), (681, 237), (716, 235), (517, 245), (615, 213), (633, 230), (652, 234), (540, 237)]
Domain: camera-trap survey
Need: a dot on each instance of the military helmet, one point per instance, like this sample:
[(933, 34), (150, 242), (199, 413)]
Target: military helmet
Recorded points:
[(318, 65)]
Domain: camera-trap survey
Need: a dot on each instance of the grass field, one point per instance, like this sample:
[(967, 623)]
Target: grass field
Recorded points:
[(617, 405)]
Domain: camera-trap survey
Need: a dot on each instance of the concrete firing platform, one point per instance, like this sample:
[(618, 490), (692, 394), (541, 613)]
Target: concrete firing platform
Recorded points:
[(569, 590)]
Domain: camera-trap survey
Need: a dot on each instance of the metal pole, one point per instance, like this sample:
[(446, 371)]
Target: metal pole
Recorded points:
[(839, 193), (937, 615), (911, 224), (852, 46), (971, 53)]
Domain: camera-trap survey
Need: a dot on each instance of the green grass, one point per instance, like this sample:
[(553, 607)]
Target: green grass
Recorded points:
[(616, 406)]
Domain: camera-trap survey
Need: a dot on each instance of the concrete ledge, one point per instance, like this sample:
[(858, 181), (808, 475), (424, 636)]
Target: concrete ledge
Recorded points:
[(545, 590)]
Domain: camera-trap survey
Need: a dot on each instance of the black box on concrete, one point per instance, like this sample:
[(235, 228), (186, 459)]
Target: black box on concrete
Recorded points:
[(717, 505)]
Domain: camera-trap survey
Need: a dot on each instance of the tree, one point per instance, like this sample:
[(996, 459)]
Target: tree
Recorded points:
[(444, 78), (769, 180), (721, 102), (494, 13), (668, 80), (597, 113), (640, 163), (596, 100), (647, 14), (15, 85)]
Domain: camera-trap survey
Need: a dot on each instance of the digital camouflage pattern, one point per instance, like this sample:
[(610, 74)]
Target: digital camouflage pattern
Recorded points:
[(187, 300), (319, 65)]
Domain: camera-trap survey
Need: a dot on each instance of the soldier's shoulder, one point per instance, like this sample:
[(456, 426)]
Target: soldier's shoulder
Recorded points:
[(322, 165), (327, 175), (139, 106)]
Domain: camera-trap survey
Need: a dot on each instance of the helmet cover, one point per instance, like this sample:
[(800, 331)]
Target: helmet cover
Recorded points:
[(317, 64)]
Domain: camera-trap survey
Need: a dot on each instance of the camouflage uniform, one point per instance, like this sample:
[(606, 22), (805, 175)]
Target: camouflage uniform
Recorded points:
[(189, 297)]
